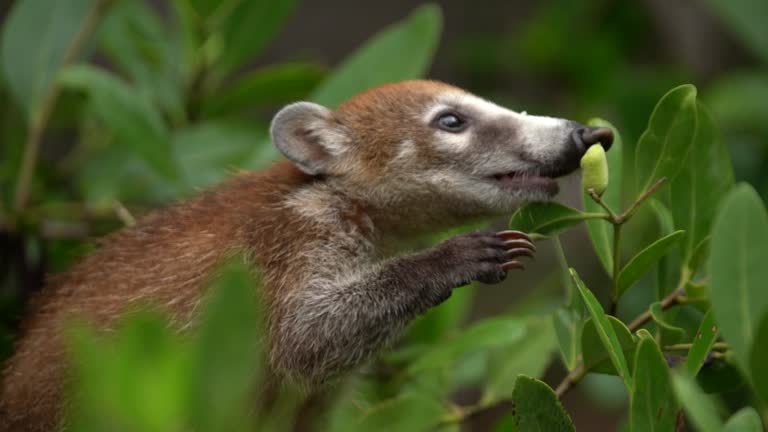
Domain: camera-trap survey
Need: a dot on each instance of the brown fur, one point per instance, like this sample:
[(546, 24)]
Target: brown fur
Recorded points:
[(165, 259)]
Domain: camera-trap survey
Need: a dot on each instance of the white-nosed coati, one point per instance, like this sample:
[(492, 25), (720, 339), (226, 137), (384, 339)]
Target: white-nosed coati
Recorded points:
[(396, 161)]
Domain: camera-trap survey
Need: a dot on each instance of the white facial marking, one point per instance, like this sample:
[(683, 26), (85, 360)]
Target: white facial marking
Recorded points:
[(405, 149)]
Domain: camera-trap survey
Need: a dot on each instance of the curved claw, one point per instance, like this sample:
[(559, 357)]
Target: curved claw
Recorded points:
[(509, 265), (518, 252), (513, 235), (515, 244)]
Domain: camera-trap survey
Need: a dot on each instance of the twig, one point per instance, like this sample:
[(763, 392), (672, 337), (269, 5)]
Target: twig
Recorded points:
[(579, 372), (40, 118), (628, 214), (596, 198), (717, 346), (123, 214)]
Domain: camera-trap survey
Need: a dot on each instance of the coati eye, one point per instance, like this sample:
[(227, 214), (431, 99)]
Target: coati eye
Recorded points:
[(450, 122)]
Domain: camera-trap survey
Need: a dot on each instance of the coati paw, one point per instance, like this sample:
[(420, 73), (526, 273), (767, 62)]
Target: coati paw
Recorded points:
[(485, 257)]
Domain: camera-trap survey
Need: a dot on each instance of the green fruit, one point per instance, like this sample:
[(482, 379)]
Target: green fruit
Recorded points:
[(594, 170)]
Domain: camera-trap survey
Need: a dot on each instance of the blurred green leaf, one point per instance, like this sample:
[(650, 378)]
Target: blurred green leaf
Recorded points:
[(486, 334), (146, 370), (406, 412), (644, 261), (739, 101), (745, 420), (567, 325), (605, 331), (595, 356), (528, 356), (746, 19), (736, 268), (702, 344), (653, 406), (275, 84), (146, 50), (759, 359), (506, 424), (546, 218), (720, 376), (701, 411), (663, 148), (209, 152), (36, 36), (601, 231), (132, 119), (704, 179), (537, 407), (400, 52), (250, 26), (229, 354), (670, 333)]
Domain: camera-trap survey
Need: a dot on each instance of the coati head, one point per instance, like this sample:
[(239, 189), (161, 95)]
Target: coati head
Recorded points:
[(434, 146)]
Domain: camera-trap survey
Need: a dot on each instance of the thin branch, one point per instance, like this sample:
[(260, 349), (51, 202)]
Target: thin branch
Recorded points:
[(628, 214), (579, 372), (123, 214), (40, 118), (596, 198)]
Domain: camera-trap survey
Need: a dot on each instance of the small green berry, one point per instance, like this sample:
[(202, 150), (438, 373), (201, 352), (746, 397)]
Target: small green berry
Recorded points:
[(594, 167)]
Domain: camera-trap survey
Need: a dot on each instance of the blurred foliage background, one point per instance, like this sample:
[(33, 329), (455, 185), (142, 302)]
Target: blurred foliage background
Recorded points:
[(110, 108)]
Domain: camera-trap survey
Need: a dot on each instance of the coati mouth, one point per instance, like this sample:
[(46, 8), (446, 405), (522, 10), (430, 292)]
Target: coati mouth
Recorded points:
[(526, 181)]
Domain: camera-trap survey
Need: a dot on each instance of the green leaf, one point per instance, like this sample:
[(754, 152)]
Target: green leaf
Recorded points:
[(653, 406), (745, 420), (644, 261), (406, 412), (596, 358), (487, 334), (208, 152), (567, 325), (275, 84), (705, 178), (400, 52), (36, 36), (537, 407), (737, 268), (668, 269), (663, 147), (701, 411), (132, 119), (746, 19), (739, 101), (601, 231), (546, 218), (528, 356), (145, 50), (702, 344), (605, 330), (759, 358), (249, 29), (229, 356), (670, 333)]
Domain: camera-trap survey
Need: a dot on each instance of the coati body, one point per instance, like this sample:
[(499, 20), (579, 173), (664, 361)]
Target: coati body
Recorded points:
[(396, 161)]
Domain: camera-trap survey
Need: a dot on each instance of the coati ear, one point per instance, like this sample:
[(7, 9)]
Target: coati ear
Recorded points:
[(306, 134)]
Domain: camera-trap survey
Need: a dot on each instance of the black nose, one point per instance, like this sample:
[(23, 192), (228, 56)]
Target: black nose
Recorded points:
[(584, 137)]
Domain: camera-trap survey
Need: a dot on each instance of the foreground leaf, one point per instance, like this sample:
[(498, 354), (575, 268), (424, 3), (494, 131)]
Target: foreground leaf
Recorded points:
[(381, 59), (605, 331), (644, 261), (702, 344), (537, 407), (653, 406), (546, 218), (601, 231), (407, 412), (737, 268), (700, 186), (596, 357), (35, 38), (745, 420), (700, 409), (663, 148), (670, 333)]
